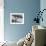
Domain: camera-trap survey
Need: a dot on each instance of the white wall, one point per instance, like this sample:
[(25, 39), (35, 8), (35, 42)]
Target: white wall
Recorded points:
[(43, 6), (1, 21)]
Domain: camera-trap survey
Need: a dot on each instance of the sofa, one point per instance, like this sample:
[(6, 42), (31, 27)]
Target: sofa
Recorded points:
[(39, 37)]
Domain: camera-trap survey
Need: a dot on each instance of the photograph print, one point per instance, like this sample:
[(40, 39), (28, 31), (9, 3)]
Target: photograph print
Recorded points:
[(16, 18)]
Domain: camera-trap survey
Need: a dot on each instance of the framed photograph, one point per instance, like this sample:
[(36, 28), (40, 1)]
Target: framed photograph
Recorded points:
[(16, 18)]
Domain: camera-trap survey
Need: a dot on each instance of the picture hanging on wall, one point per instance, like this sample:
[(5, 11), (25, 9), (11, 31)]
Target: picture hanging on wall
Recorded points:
[(16, 18)]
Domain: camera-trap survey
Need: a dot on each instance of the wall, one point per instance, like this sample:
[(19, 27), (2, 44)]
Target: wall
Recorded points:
[(1, 21), (43, 6), (29, 8)]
